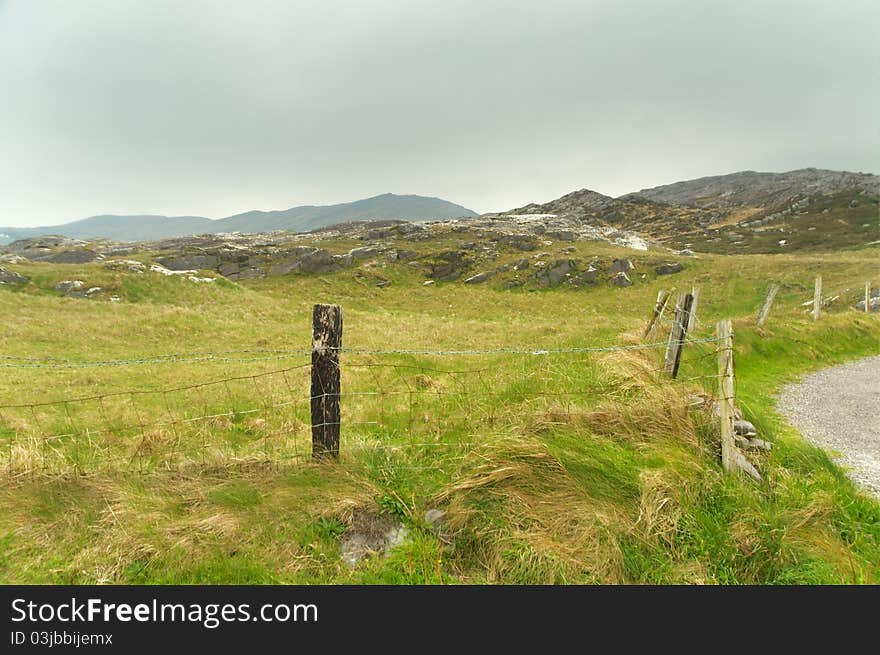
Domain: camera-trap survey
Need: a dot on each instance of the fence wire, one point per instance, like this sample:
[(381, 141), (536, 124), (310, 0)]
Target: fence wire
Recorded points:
[(393, 410)]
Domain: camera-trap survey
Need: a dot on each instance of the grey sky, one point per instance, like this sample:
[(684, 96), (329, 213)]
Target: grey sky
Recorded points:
[(212, 107)]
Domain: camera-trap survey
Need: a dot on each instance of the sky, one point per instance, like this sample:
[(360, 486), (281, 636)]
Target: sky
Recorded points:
[(215, 107)]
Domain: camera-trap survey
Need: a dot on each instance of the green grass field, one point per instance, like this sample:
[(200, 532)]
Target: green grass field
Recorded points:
[(567, 467)]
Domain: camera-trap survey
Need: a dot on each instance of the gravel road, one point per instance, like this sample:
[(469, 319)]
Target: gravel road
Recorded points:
[(837, 409)]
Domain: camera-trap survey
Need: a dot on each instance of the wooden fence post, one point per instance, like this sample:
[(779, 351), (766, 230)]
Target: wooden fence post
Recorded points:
[(867, 296), (817, 298), (326, 342), (768, 303), (724, 332), (669, 354), (692, 312), (659, 307), (677, 334)]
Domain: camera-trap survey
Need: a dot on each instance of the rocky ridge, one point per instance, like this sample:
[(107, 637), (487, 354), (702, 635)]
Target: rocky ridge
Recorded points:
[(505, 252)]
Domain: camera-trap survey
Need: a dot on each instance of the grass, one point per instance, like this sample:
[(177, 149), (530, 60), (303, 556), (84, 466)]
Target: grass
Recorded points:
[(557, 468)]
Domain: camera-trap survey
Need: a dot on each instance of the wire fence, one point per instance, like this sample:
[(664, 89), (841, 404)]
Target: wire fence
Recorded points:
[(414, 408), (402, 405)]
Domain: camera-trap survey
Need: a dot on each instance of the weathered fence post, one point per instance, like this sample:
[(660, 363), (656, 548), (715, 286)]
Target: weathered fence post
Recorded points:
[(326, 343), (677, 334), (768, 303), (867, 296), (669, 354), (724, 333), (692, 312), (659, 307), (817, 298)]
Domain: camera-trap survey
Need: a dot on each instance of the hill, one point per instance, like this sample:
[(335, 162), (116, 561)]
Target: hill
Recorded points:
[(745, 212), (296, 219), (754, 189)]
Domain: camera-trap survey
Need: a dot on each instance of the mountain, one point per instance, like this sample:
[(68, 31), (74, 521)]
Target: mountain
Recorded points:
[(744, 212), (307, 218), (296, 219), (753, 189), (117, 228)]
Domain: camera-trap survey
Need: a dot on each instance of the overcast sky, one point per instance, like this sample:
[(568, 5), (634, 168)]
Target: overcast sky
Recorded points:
[(213, 107)]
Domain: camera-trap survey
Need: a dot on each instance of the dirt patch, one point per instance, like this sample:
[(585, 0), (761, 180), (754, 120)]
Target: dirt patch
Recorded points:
[(370, 534)]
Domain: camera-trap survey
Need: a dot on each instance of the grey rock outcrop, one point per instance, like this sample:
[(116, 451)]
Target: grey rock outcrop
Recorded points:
[(11, 277), (621, 266), (66, 286), (556, 272), (669, 268), (621, 280), (479, 278), (590, 276), (75, 256)]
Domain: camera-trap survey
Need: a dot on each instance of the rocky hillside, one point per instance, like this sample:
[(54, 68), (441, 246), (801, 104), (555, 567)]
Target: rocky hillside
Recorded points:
[(753, 189), (744, 212), (296, 219), (504, 253)]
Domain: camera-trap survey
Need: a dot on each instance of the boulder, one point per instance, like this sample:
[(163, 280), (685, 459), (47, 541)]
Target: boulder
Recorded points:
[(128, 265), (521, 242), (621, 266), (874, 305), (669, 268), (11, 277), (189, 262), (314, 260), (80, 292), (74, 256), (621, 280), (158, 268), (356, 254), (521, 265), (479, 278), (559, 270), (229, 269), (247, 274), (555, 272), (451, 266), (744, 428), (320, 261), (370, 535), (590, 276), (66, 286)]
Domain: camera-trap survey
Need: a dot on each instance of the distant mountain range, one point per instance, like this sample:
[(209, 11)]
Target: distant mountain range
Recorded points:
[(741, 212), (296, 219)]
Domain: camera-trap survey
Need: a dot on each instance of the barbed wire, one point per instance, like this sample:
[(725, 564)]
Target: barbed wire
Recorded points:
[(123, 430), (49, 362)]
